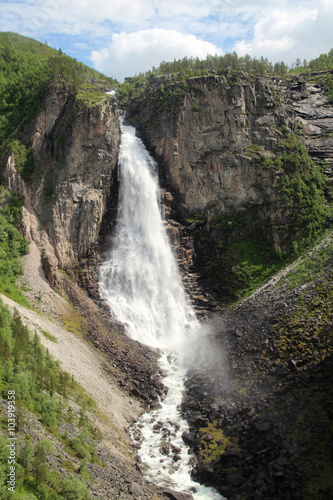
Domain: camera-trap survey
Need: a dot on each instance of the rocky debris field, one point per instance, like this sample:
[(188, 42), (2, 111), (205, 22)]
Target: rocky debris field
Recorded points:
[(261, 422)]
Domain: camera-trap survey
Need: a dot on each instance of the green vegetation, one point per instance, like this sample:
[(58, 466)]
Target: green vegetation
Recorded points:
[(311, 265), (24, 161), (190, 66), (301, 191), (305, 335), (230, 65), (236, 252), (24, 75), (27, 69), (12, 244), (49, 336), (41, 387), (217, 444), (89, 95)]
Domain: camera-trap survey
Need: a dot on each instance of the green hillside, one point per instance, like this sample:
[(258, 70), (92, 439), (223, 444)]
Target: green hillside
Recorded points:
[(27, 69)]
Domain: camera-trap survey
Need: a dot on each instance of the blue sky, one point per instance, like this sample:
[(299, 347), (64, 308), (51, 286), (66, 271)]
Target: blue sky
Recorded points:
[(123, 37)]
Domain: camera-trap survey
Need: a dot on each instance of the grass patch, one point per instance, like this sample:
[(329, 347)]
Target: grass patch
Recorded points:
[(49, 336), (218, 445), (311, 265), (89, 96), (255, 265), (74, 323)]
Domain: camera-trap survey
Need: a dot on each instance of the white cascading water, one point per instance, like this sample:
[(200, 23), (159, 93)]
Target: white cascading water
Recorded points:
[(142, 285)]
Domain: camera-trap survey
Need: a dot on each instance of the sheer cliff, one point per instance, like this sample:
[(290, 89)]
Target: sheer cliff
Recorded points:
[(220, 140), (75, 150), (247, 167)]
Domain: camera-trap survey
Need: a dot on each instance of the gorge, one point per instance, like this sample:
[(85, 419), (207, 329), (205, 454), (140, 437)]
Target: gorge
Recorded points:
[(245, 170)]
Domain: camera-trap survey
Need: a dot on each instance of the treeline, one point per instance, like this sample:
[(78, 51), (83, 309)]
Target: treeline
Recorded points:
[(228, 65), (190, 66)]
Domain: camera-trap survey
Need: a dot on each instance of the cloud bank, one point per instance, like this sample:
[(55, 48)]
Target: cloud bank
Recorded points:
[(292, 33)]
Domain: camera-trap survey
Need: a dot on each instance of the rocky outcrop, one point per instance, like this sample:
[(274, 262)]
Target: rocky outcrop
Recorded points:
[(231, 153), (261, 418), (315, 117), (75, 151)]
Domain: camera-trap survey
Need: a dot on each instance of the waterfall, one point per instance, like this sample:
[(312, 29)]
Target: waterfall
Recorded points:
[(143, 287)]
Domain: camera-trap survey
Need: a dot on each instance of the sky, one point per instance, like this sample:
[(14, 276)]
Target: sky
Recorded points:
[(125, 37)]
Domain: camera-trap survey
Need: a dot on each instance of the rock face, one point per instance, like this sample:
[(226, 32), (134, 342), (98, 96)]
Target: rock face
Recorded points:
[(315, 119), (259, 403), (222, 141), (205, 140), (75, 152)]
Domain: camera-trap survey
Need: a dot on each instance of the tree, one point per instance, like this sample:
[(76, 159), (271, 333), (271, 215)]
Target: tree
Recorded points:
[(27, 456), (40, 467), (8, 54), (75, 489)]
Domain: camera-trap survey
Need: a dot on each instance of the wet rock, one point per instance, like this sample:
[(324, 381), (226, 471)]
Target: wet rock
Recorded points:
[(190, 439), (234, 478), (156, 406), (205, 472), (208, 437), (165, 450), (228, 457), (174, 495), (176, 449)]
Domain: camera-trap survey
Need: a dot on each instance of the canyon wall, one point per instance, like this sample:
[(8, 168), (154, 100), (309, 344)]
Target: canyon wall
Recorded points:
[(221, 140), (224, 149), (75, 149)]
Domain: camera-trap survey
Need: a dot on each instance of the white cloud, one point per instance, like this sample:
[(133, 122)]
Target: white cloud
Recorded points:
[(277, 29), (291, 33), (35, 17), (132, 53)]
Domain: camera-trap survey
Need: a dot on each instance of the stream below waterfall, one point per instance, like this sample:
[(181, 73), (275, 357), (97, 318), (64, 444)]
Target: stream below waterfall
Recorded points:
[(142, 284)]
